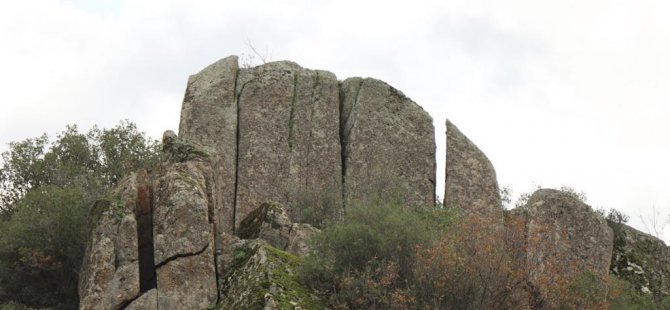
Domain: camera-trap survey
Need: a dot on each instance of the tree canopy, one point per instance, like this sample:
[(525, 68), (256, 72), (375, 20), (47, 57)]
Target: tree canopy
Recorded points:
[(46, 189)]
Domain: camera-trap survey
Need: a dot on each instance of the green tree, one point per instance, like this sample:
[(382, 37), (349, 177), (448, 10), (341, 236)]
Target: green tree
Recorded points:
[(41, 248), (45, 193)]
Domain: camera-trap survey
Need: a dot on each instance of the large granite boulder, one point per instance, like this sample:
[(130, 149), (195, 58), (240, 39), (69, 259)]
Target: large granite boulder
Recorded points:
[(388, 145), (281, 133), (642, 260), (470, 182), (566, 243), (183, 236), (288, 140), (152, 241), (110, 276), (209, 118)]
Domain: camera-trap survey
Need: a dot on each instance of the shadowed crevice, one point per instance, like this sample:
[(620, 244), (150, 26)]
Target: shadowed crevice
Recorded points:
[(145, 244), (182, 255)]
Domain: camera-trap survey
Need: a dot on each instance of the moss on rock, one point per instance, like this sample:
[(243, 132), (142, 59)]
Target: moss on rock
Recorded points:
[(263, 276)]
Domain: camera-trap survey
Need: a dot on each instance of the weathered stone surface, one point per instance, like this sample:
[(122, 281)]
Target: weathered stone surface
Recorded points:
[(298, 239), (388, 144), (110, 272), (471, 183), (288, 145), (188, 282), (209, 118), (566, 239), (144, 302), (263, 277), (642, 260), (270, 223), (184, 237), (154, 237), (181, 211)]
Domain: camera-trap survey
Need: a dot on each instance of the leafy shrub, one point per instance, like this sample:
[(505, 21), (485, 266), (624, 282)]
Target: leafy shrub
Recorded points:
[(368, 259), (471, 266)]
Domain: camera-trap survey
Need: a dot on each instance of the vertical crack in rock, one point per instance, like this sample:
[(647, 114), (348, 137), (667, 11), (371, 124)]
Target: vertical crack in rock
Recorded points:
[(343, 165), (237, 152), (310, 122), (291, 120), (346, 123), (208, 118), (145, 246)]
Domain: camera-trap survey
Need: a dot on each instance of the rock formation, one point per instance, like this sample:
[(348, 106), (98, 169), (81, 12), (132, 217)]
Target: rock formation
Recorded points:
[(288, 139), (565, 241), (470, 182), (183, 236), (152, 240), (388, 144), (274, 133), (221, 222), (642, 260), (111, 273), (270, 223), (209, 118), (264, 277)]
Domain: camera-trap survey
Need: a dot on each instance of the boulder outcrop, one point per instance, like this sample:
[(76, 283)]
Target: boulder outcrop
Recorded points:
[(209, 118), (152, 240), (270, 223), (388, 144), (263, 277), (566, 241), (288, 140), (642, 260), (262, 151), (470, 182), (183, 236), (110, 276), (298, 137)]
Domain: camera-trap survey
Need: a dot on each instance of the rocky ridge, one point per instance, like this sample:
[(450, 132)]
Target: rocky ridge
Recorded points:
[(262, 150)]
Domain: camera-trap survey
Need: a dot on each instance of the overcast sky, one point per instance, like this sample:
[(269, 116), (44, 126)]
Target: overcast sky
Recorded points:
[(554, 92)]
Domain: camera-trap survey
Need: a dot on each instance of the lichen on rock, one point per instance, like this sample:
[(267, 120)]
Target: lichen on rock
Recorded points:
[(263, 277), (641, 260)]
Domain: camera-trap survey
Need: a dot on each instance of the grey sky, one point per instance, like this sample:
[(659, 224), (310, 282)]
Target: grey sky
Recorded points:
[(554, 92)]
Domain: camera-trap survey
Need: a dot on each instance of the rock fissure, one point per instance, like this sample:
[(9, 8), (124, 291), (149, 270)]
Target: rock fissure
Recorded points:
[(181, 255), (291, 120), (126, 303), (237, 153), (145, 242)]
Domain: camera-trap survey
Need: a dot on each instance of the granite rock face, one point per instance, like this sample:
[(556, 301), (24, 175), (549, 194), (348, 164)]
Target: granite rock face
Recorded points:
[(295, 138), (642, 260), (209, 118), (566, 240), (388, 144), (271, 223), (470, 182), (281, 133), (183, 236), (288, 139), (152, 242), (110, 271)]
